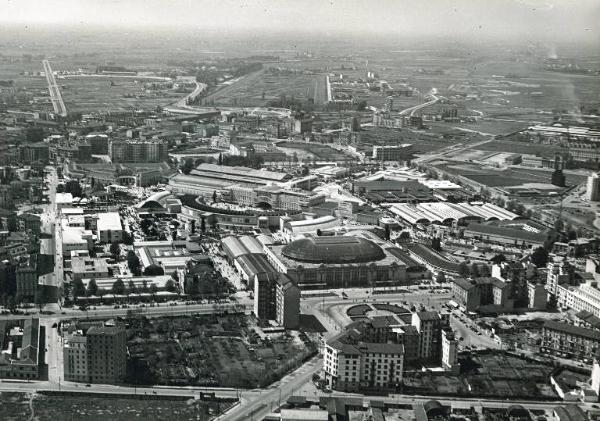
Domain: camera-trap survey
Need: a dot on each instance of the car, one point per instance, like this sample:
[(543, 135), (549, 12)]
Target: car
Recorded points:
[(88, 385)]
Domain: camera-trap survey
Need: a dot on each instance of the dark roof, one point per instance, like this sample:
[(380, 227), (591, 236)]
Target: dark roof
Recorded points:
[(589, 318), (433, 408), (104, 330), (256, 263), (573, 330), (516, 411), (518, 234), (333, 249), (428, 315), (570, 413)]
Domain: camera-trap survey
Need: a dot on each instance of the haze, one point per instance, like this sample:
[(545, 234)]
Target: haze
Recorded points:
[(535, 20)]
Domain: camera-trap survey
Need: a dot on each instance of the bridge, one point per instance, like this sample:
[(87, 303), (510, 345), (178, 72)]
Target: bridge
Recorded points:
[(55, 95)]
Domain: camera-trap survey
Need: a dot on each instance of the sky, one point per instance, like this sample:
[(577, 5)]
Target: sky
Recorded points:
[(564, 19)]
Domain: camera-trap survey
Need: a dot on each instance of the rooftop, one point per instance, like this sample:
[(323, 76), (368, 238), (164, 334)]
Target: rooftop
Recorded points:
[(109, 221), (333, 249)]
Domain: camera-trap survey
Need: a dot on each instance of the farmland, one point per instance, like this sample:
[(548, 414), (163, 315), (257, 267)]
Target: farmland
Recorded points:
[(222, 351)]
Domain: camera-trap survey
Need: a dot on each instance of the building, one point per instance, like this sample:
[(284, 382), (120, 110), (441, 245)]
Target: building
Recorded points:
[(277, 298), (138, 151), (99, 143), (476, 294), (516, 234), (537, 296), (401, 152), (275, 197), (33, 152), (106, 354), (568, 341), (351, 364), (19, 346), (449, 350), (75, 358), (109, 227), (86, 267), (560, 272), (429, 325), (340, 261), (592, 192)]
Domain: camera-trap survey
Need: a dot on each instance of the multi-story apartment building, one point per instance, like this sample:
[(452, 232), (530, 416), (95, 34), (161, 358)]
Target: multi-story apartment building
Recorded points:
[(568, 341), (430, 324), (401, 152), (138, 151), (75, 358), (560, 272), (107, 354), (371, 354), (352, 365)]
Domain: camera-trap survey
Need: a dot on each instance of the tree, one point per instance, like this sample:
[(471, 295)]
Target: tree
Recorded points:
[(441, 277), (131, 287), (170, 286), (154, 270), (133, 262), (188, 165), (78, 288), (92, 288), (202, 224), (144, 286), (484, 270), (463, 269), (60, 188), (153, 289), (474, 270), (214, 197), (499, 258), (539, 257), (118, 287), (127, 238), (115, 249), (220, 161), (40, 297), (404, 236), (145, 224)]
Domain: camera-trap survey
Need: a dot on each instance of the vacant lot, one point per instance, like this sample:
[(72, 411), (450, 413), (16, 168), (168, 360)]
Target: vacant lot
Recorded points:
[(212, 351), (258, 88), (16, 406), (488, 375)]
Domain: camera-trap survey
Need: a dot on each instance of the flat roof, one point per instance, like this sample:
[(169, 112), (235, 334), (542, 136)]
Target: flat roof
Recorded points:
[(109, 221)]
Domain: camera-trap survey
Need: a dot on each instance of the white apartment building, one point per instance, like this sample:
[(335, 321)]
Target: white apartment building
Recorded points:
[(352, 365)]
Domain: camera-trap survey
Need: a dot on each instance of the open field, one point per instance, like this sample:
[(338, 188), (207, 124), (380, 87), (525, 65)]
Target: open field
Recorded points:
[(89, 93), (309, 150), (488, 375), (56, 406), (258, 88), (212, 351)]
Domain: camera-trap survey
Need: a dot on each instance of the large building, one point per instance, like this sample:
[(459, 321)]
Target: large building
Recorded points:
[(138, 151), (341, 261), (401, 152), (277, 298), (571, 342), (106, 354), (109, 227), (352, 363), (371, 354), (592, 192), (19, 346)]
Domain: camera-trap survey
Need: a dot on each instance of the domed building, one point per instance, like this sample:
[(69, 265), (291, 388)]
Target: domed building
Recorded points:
[(333, 249), (340, 261)]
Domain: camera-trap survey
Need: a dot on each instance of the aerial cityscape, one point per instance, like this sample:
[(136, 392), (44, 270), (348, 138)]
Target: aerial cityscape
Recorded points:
[(314, 210)]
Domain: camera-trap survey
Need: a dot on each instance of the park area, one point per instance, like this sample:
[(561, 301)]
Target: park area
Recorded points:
[(487, 374), (99, 407), (209, 350)]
